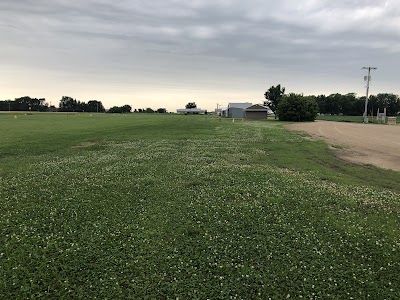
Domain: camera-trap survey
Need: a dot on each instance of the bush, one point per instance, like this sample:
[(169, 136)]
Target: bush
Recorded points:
[(297, 108)]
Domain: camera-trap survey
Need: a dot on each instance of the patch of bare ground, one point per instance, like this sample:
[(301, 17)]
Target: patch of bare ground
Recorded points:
[(374, 144)]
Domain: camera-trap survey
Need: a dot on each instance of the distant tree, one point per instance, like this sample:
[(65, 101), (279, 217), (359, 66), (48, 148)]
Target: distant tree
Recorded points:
[(149, 110), (297, 108), (120, 109), (68, 104), (381, 101), (161, 110), (115, 110), (358, 107), (347, 104), (94, 106), (322, 104), (25, 103), (126, 108), (273, 96), (135, 111), (191, 105), (140, 110), (6, 105), (335, 104)]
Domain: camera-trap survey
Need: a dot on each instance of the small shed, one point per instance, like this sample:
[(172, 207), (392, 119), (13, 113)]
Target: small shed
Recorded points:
[(256, 112)]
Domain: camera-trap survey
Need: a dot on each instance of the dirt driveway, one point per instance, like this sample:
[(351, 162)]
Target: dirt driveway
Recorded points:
[(374, 144)]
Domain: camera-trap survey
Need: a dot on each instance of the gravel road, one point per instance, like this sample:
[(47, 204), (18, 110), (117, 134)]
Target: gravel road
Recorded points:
[(374, 144)]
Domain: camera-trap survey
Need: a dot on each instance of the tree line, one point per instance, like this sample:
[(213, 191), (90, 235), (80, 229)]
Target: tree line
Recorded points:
[(334, 104), (67, 104), (351, 105), (24, 104)]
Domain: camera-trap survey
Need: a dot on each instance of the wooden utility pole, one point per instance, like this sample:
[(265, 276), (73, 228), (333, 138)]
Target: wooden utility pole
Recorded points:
[(368, 79)]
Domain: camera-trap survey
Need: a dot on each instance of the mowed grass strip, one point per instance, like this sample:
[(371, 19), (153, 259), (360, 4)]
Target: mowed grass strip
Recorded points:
[(161, 206)]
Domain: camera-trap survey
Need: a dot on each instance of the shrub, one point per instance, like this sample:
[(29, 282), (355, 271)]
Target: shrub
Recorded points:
[(297, 108)]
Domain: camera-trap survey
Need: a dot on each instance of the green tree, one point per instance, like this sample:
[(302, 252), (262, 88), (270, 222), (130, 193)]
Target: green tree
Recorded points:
[(68, 104), (191, 105), (149, 110), (322, 104), (161, 110), (297, 108), (273, 96), (94, 106), (120, 109), (384, 100), (126, 108), (115, 110)]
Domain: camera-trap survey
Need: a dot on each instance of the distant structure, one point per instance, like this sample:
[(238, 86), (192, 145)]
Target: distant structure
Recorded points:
[(381, 117), (236, 110), (257, 112), (191, 111)]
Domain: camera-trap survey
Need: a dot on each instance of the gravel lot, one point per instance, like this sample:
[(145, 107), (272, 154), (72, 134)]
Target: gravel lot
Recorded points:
[(374, 144)]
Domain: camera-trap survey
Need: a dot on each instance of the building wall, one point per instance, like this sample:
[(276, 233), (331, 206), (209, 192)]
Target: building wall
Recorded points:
[(257, 115), (234, 112)]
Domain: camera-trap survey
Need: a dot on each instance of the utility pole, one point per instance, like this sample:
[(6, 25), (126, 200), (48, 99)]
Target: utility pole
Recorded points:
[(368, 79), (218, 107)]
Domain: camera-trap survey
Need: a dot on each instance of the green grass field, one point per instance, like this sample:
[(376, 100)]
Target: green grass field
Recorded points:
[(164, 206)]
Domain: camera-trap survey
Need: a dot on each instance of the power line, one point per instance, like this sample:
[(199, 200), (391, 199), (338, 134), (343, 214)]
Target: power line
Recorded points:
[(367, 79)]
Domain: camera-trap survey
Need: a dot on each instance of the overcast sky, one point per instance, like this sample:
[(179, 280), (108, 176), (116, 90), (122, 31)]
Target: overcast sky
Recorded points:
[(165, 53)]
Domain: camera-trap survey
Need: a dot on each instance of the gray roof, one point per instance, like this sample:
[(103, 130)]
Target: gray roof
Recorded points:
[(257, 107), (242, 105), (197, 110)]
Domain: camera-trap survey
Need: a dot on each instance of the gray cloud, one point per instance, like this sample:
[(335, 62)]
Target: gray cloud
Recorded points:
[(205, 44)]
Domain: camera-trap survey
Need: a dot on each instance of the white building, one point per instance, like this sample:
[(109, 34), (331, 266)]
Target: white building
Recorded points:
[(192, 111)]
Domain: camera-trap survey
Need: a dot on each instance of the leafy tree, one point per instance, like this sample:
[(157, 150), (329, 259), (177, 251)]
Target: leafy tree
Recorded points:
[(273, 96), (149, 110), (358, 107), (161, 110), (25, 103), (6, 105), (297, 108), (120, 109), (68, 104), (381, 101), (322, 104), (191, 105), (115, 110), (334, 104), (126, 108), (94, 106)]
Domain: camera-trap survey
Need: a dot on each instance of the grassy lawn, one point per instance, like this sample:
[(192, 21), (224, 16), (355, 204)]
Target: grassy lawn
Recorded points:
[(354, 119), (164, 206)]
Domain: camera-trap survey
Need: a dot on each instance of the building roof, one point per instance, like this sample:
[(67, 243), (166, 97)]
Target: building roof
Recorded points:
[(242, 105), (192, 110), (257, 107)]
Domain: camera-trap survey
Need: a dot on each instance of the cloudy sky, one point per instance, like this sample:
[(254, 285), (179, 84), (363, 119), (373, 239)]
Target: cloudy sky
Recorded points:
[(165, 53)]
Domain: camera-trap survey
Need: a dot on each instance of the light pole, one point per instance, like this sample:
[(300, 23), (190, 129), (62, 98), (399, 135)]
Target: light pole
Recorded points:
[(368, 79)]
